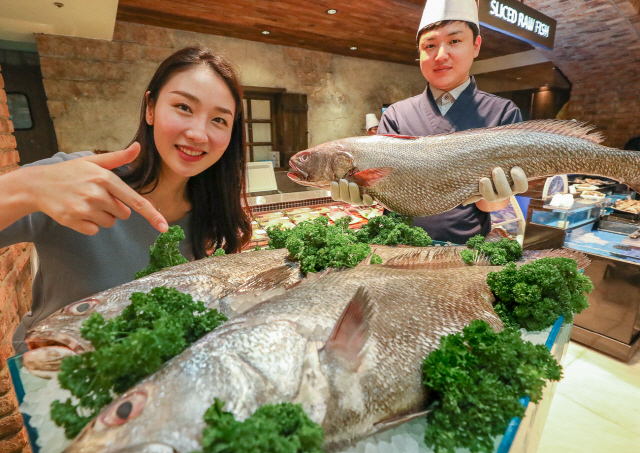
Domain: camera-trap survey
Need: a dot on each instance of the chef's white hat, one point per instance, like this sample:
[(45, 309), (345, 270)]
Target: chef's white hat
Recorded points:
[(371, 121), (440, 10)]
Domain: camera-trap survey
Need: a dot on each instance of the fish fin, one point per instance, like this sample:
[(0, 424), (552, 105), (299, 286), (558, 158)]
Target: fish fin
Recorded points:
[(272, 278), (569, 128), (367, 260), (404, 137), (311, 277), (351, 332), (371, 176), (435, 258), (397, 421), (529, 256)]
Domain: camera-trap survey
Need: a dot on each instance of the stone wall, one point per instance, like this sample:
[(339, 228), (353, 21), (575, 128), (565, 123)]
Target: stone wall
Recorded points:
[(94, 87), (15, 299), (597, 47)]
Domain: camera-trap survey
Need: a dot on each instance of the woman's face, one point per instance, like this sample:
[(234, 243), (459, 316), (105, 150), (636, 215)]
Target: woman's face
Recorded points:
[(192, 120)]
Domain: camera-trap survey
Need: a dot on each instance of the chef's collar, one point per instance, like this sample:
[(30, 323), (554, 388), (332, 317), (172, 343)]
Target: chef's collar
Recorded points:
[(455, 93)]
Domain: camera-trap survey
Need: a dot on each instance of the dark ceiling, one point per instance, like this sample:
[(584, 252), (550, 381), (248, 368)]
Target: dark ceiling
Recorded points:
[(380, 29)]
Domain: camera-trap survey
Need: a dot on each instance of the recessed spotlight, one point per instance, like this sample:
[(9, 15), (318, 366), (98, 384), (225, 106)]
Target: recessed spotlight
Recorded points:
[(265, 32), (546, 84), (353, 48), (417, 59), (332, 11), (518, 78)]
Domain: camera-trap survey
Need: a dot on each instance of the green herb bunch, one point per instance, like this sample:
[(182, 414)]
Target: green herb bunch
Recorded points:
[(273, 428), (155, 327), (164, 252), (478, 377), (499, 253), (536, 294), (393, 229), (318, 245)]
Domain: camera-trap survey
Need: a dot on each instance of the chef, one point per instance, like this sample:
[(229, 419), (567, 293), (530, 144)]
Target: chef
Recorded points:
[(371, 124), (448, 40)]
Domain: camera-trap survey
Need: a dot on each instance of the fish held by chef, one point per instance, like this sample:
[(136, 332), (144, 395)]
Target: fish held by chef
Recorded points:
[(229, 283), (347, 346), (421, 176)]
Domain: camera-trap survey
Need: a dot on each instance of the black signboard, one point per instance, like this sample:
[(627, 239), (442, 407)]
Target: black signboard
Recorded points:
[(518, 20)]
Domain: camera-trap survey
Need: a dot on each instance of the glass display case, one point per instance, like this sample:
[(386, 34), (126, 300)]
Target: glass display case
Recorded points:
[(611, 240)]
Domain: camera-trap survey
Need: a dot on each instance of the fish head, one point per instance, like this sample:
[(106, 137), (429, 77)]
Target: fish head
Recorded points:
[(322, 164), (58, 336), (165, 412)]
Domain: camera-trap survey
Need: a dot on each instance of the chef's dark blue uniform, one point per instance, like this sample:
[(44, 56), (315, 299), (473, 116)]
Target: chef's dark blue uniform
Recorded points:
[(420, 116)]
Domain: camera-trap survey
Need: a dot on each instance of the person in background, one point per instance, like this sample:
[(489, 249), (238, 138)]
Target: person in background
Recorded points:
[(185, 166), (448, 41), (371, 125)]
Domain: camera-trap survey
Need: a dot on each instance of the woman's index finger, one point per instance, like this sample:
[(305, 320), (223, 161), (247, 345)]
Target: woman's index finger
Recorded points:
[(120, 190)]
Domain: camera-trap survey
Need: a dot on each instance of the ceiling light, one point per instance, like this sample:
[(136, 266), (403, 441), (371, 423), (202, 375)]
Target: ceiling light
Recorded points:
[(353, 48), (518, 78), (332, 11), (265, 32), (546, 84)]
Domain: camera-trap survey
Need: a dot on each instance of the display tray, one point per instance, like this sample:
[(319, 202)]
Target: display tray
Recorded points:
[(555, 338), (613, 225), (626, 215)]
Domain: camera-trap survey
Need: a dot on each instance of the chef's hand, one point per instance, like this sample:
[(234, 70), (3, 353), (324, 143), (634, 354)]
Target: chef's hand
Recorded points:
[(502, 189), (83, 194), (349, 192)]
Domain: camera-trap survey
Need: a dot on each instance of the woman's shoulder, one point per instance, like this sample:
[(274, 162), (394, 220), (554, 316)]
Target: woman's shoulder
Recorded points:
[(60, 157)]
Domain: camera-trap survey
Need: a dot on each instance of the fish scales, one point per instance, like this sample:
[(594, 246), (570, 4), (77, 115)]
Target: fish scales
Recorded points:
[(274, 352), (430, 175)]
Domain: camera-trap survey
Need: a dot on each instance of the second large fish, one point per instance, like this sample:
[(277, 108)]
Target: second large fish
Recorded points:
[(420, 176)]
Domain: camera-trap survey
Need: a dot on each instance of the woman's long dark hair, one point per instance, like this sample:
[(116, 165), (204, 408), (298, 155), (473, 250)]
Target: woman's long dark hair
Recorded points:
[(220, 215)]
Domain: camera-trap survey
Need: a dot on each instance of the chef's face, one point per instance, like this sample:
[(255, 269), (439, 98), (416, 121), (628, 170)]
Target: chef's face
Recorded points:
[(446, 55)]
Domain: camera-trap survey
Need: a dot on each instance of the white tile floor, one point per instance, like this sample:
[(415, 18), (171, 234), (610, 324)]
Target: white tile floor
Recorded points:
[(596, 407)]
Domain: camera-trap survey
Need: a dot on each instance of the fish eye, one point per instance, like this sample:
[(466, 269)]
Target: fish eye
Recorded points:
[(125, 409), (81, 308), (303, 157)]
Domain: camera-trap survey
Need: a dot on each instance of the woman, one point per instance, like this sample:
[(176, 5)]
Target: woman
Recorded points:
[(186, 166)]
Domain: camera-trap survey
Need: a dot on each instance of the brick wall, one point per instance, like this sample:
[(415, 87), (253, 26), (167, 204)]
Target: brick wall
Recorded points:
[(598, 48), (94, 87), (15, 299)]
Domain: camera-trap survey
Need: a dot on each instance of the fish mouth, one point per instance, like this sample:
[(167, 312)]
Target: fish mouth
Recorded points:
[(302, 178), (46, 352), (38, 339), (298, 175)]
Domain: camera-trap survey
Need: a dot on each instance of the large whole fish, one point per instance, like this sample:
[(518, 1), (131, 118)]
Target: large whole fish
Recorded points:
[(229, 283), (419, 176), (347, 346)]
